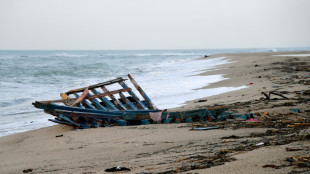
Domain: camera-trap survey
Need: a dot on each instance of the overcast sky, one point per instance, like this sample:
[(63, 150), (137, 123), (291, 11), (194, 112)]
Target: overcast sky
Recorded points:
[(153, 24)]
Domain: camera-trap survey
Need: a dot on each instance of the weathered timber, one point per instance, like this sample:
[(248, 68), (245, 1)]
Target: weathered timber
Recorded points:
[(105, 100), (119, 79), (134, 96), (127, 102), (143, 94), (85, 102), (89, 97), (109, 93), (115, 101), (274, 93), (97, 104)]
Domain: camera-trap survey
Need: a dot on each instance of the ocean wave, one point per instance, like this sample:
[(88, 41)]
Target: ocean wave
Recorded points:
[(21, 113), (181, 54), (70, 55), (7, 57), (150, 54)]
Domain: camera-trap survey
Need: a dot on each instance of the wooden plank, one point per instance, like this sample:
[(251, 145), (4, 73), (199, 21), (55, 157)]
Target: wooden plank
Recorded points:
[(82, 97), (69, 120), (97, 104), (81, 106), (58, 101), (143, 94), (90, 97), (127, 102), (115, 101), (61, 122), (85, 102), (109, 93), (119, 79), (142, 106), (54, 107), (105, 100)]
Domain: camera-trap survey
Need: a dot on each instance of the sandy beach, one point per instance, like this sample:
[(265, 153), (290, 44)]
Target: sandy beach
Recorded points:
[(278, 143)]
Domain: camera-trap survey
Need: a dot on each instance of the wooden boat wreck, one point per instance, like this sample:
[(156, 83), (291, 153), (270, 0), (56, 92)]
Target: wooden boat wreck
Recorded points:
[(97, 106)]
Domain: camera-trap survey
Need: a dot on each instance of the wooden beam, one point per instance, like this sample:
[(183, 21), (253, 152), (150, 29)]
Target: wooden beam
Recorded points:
[(119, 79), (109, 93), (142, 106), (143, 94), (115, 101)]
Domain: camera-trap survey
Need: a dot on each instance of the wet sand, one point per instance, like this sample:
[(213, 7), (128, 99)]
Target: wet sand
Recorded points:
[(278, 143)]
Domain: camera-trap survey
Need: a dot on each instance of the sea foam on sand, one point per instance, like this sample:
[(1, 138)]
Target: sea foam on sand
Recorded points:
[(173, 84)]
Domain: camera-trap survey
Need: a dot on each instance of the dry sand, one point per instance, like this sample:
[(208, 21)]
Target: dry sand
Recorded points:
[(174, 148)]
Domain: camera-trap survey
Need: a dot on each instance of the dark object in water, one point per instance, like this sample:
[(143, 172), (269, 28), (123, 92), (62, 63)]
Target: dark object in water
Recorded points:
[(96, 106)]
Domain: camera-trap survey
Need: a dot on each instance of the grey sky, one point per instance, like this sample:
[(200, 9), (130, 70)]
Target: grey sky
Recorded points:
[(153, 24)]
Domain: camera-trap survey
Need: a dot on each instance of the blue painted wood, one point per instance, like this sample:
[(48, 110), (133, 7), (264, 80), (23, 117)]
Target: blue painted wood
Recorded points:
[(100, 116), (295, 110), (188, 120), (145, 122), (81, 106), (85, 126), (133, 95), (121, 122), (84, 122), (105, 100), (129, 116), (97, 104), (69, 120), (85, 102), (240, 116), (131, 105), (116, 102), (207, 113), (53, 106), (167, 120), (140, 111), (61, 122), (89, 121)]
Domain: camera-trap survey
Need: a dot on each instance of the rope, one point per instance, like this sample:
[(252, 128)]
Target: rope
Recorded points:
[(205, 113)]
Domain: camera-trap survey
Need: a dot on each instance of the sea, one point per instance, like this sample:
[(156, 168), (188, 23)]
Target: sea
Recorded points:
[(169, 77)]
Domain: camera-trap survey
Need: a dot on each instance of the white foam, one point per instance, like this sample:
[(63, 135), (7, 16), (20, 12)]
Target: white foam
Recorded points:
[(173, 83), (23, 126)]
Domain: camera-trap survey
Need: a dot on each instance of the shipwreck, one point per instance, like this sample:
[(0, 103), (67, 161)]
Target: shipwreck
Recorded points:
[(97, 106)]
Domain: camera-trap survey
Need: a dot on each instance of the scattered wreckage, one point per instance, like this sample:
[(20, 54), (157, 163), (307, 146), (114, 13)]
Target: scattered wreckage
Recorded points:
[(97, 106)]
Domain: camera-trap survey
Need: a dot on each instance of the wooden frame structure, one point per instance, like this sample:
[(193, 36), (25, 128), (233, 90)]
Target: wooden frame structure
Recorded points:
[(96, 106)]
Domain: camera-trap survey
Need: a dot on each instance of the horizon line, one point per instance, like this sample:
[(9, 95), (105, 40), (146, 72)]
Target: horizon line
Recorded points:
[(148, 49)]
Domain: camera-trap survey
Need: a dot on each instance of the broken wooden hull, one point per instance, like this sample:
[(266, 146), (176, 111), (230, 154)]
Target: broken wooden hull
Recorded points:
[(88, 118), (97, 106)]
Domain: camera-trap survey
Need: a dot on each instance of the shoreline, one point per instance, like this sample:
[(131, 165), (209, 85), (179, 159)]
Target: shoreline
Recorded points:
[(242, 72), (143, 148)]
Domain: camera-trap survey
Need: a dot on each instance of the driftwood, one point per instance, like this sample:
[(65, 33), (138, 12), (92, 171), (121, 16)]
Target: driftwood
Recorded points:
[(274, 93)]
